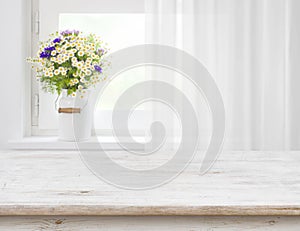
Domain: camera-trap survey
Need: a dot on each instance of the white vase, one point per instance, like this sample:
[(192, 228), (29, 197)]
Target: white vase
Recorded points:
[(74, 117)]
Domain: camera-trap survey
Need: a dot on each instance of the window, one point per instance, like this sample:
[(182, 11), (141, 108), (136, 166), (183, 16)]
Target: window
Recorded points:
[(119, 24)]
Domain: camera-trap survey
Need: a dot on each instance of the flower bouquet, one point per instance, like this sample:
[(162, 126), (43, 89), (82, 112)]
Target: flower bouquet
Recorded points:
[(70, 60)]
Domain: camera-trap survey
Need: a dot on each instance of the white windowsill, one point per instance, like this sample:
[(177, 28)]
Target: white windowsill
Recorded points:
[(53, 143)]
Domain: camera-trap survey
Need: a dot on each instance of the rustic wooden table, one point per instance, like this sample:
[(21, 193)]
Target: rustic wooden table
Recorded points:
[(54, 190)]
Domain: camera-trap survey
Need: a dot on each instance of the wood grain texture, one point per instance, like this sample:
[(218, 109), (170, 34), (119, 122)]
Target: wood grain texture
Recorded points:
[(240, 183), (174, 223)]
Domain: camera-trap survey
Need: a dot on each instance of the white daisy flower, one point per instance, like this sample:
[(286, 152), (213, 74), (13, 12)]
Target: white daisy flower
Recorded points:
[(56, 72), (79, 64)]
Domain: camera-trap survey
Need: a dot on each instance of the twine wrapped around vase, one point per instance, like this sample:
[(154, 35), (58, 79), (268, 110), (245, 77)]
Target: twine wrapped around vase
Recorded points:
[(69, 110)]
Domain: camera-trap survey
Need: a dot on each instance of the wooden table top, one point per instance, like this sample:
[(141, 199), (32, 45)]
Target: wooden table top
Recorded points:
[(240, 183)]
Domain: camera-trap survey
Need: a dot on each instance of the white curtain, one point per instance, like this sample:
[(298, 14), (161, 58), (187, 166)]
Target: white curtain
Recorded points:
[(252, 50)]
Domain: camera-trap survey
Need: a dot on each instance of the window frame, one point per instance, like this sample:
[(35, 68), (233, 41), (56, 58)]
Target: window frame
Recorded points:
[(32, 125), (34, 90)]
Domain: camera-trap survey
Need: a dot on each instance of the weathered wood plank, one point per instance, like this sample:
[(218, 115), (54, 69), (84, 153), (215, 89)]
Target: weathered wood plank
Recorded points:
[(240, 183), (173, 223), (105, 210)]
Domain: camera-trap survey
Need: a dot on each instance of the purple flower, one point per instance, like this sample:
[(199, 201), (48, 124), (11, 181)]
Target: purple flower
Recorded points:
[(100, 51), (49, 48), (98, 68), (65, 32), (45, 55), (76, 32), (47, 52), (69, 32), (57, 40)]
